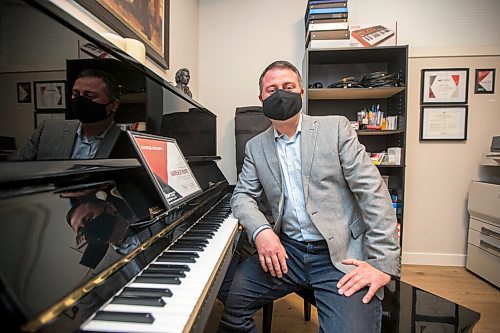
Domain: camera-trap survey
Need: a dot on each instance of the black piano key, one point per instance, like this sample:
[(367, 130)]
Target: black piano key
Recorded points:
[(195, 240), (192, 241), (145, 292), (178, 267), (209, 224), (180, 254), (204, 234), (176, 258), (187, 247), (157, 279), (141, 300), (148, 272), (128, 317), (216, 218), (204, 228)]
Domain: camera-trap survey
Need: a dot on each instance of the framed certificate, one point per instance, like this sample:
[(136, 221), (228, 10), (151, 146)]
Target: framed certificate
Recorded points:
[(485, 81), (444, 86), (443, 122)]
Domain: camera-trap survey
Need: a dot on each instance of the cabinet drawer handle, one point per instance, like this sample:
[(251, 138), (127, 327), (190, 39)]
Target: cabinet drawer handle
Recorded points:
[(489, 246), (489, 232)]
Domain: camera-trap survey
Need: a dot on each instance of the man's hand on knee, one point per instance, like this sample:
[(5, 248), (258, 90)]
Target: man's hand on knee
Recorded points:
[(364, 275), (272, 254)]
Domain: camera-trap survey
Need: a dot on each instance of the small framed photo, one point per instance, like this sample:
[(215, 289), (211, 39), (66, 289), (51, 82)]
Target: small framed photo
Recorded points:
[(485, 81), (445, 86), (50, 95), (443, 122), (24, 92), (41, 116)]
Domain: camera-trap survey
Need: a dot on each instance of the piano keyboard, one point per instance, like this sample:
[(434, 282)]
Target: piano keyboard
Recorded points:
[(167, 294), (373, 35)]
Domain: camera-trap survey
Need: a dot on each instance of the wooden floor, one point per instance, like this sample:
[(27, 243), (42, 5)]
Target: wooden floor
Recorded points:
[(453, 283)]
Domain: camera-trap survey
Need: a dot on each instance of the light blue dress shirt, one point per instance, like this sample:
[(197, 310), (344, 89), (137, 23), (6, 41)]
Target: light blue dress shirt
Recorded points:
[(296, 222), (85, 148)]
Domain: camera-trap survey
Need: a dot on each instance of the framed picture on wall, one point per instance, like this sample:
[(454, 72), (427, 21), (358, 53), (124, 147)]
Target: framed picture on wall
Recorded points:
[(147, 21), (50, 95), (41, 116), (484, 82), (24, 92), (443, 122), (445, 86)]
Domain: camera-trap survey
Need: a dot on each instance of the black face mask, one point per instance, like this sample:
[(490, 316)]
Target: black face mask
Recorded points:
[(88, 111), (100, 229), (282, 105)]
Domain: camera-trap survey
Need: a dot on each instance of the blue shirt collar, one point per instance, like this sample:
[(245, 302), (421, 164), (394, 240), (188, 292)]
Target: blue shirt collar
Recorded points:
[(298, 130)]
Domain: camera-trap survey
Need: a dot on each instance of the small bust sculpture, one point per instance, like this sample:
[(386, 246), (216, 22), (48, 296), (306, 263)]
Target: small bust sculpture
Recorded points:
[(182, 79)]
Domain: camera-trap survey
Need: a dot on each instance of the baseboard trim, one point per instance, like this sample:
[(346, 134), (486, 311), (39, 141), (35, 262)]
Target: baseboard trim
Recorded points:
[(434, 259)]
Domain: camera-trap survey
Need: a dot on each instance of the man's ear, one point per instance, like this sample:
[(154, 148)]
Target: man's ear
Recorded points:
[(114, 105), (260, 98)]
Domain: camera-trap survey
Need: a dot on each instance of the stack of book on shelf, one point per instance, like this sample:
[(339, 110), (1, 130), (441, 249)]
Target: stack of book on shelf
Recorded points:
[(326, 24)]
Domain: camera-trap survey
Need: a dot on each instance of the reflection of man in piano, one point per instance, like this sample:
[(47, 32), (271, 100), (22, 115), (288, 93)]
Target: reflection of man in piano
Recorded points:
[(335, 229), (94, 101), (100, 218)]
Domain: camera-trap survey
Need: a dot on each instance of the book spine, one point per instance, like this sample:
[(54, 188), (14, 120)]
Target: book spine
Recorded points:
[(330, 34), (327, 21), (328, 43), (328, 10), (328, 26), (329, 5), (315, 2)]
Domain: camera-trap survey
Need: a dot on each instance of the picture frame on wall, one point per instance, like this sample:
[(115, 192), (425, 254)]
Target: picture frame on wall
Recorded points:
[(442, 122), (147, 21), (444, 86), (24, 92), (50, 95), (41, 116), (484, 82)]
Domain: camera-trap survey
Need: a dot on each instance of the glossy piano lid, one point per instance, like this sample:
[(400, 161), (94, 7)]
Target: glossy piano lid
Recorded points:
[(55, 238), (29, 170)]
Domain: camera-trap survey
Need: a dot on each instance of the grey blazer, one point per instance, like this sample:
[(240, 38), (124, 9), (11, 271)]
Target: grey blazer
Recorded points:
[(345, 195), (53, 140)]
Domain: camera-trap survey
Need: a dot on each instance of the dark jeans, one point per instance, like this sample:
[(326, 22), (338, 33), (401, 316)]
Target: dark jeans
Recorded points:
[(309, 266)]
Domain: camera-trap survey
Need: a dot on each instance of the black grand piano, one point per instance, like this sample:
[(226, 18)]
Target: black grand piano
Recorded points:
[(149, 267)]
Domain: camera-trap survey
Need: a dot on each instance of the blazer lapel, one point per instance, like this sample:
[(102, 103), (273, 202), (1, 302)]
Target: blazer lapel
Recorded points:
[(307, 148), (271, 154), (269, 147), (108, 142)]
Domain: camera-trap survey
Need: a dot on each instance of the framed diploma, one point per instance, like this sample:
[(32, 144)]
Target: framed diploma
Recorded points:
[(445, 86), (485, 81), (443, 122)]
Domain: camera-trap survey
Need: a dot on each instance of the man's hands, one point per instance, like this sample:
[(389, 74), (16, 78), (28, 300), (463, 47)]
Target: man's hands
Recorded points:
[(363, 275), (272, 254)]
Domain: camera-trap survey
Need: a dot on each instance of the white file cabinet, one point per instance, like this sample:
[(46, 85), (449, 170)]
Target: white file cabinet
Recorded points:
[(483, 244)]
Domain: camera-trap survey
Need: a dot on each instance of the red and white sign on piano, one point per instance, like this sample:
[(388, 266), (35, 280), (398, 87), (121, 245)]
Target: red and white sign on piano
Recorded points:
[(371, 35)]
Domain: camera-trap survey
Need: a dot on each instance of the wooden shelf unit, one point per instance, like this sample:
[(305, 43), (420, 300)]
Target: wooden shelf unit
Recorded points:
[(328, 66)]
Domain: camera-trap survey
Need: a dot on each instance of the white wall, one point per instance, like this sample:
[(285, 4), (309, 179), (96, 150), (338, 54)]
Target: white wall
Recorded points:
[(239, 38)]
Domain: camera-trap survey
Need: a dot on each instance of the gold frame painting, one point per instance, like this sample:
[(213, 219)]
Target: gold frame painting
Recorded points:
[(145, 20)]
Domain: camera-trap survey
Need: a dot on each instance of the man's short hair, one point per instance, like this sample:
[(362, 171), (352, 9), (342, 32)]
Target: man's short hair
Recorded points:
[(279, 64), (108, 79)]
